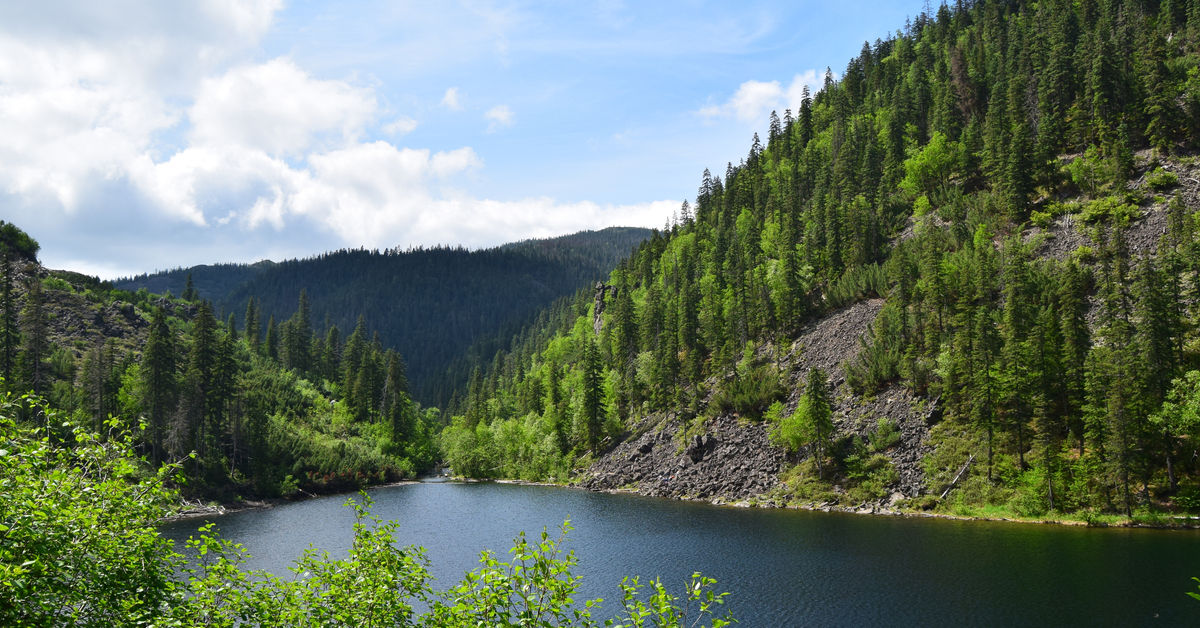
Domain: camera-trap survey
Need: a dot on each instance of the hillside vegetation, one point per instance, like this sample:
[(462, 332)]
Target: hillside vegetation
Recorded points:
[(1014, 180), (430, 304), (245, 415)]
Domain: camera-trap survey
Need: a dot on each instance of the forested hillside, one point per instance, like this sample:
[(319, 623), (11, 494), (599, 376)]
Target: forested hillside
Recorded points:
[(429, 304), (248, 413), (1014, 187)]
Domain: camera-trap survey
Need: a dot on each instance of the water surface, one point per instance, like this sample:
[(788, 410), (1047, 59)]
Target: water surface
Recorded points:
[(783, 567)]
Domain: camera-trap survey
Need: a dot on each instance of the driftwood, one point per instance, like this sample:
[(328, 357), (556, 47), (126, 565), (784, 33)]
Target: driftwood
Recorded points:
[(959, 476)]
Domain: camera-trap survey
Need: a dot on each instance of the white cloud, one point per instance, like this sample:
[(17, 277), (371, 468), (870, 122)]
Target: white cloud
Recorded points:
[(128, 117), (498, 117), (400, 126), (753, 100), (278, 108), (450, 99), (87, 88)]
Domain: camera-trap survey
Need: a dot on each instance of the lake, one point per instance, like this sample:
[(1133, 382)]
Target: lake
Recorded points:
[(783, 567)]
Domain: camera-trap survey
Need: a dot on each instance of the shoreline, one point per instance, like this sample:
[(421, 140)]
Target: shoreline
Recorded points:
[(1174, 522), (202, 510), (1177, 522)]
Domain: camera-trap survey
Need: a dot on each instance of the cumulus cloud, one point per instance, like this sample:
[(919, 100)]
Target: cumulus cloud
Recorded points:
[(450, 99), (151, 132), (86, 88), (278, 108), (753, 100), (498, 117)]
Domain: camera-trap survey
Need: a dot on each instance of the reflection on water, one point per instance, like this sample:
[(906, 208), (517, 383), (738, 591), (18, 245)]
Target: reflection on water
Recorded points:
[(784, 568)]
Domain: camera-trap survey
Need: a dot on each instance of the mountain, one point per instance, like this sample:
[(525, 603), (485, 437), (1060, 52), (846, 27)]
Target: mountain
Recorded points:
[(965, 275), (209, 281), (429, 304)]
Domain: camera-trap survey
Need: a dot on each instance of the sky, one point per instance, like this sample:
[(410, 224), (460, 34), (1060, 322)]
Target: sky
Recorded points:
[(142, 136)]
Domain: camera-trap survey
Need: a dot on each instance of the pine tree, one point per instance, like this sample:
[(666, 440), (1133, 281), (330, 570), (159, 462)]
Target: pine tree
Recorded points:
[(396, 404), (253, 329), (591, 411), (10, 338), (271, 342), (1076, 342), (100, 381), (331, 354), (817, 417), (189, 291), (159, 384), (297, 337), (352, 356), (34, 342)]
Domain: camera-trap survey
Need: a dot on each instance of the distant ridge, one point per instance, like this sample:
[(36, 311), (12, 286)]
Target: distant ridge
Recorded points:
[(428, 303)]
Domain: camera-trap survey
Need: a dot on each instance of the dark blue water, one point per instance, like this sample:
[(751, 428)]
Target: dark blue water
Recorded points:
[(783, 568)]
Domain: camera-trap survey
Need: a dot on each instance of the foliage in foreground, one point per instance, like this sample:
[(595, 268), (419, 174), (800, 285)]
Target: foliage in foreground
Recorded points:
[(79, 546), (381, 584)]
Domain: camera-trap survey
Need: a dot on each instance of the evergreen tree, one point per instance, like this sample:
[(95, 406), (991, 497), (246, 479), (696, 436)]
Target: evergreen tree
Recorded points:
[(10, 338), (297, 337), (817, 416), (251, 324), (189, 291), (35, 344), (271, 342), (331, 354), (159, 383), (591, 410), (100, 383)]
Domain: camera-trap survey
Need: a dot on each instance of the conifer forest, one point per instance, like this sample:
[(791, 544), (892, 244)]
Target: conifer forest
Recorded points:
[(962, 277)]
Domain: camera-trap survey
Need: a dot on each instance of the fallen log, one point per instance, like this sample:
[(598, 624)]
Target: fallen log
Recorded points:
[(958, 477)]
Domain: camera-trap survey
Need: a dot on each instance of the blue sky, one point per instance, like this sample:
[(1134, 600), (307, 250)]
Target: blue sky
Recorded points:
[(141, 136)]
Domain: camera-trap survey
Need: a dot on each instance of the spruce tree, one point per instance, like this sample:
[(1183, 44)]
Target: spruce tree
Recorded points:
[(253, 329), (159, 384), (271, 342), (35, 345), (591, 410), (10, 338)]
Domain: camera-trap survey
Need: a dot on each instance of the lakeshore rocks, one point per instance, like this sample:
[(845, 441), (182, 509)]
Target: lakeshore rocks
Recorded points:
[(731, 461)]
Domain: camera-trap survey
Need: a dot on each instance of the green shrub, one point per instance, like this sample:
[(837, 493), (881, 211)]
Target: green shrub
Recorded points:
[(748, 394), (54, 283), (1109, 209), (1093, 173), (1189, 498), (869, 476), (857, 283), (1040, 219), (1159, 179), (884, 436)]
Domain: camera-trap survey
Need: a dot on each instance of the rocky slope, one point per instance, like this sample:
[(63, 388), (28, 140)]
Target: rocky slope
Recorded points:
[(733, 460)]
